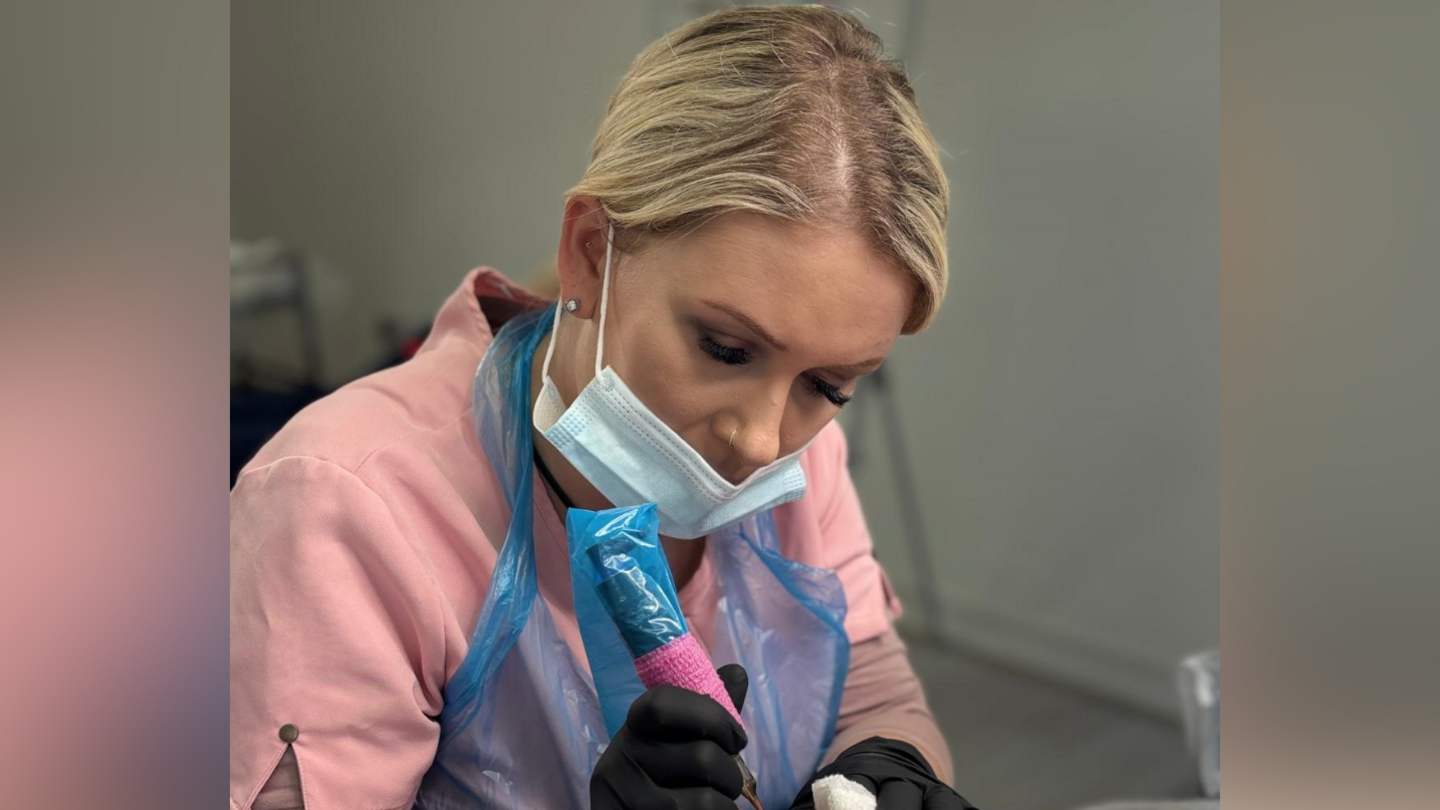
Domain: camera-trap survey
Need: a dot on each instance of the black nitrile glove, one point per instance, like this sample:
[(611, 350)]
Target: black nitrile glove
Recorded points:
[(892, 770), (676, 751)]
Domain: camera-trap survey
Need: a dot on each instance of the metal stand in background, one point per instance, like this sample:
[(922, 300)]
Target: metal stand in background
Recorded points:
[(264, 279), (276, 283), (880, 390)]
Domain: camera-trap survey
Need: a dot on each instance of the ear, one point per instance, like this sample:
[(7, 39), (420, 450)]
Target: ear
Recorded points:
[(581, 255)]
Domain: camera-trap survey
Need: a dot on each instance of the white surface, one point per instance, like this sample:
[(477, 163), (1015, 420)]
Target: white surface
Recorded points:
[(1199, 688), (254, 275)]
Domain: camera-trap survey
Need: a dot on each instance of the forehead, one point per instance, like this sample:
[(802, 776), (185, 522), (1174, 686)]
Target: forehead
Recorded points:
[(810, 286)]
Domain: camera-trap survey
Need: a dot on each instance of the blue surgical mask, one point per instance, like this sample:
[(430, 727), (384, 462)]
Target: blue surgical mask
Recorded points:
[(632, 457)]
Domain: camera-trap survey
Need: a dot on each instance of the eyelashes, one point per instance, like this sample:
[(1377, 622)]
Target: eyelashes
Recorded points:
[(825, 389), (729, 355), (736, 356)]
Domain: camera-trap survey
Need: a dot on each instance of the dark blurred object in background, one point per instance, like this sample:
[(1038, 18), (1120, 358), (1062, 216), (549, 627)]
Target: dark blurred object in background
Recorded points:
[(267, 279), (256, 415)]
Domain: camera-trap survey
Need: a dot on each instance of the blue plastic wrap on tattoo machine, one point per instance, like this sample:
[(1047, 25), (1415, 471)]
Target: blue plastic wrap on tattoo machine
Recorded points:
[(620, 551), (626, 603)]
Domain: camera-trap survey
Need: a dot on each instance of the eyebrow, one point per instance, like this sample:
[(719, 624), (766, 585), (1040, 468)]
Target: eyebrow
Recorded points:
[(748, 322), (850, 370), (856, 369)]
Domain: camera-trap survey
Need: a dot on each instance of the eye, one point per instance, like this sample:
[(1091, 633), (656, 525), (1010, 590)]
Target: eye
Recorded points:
[(729, 355), (820, 387)]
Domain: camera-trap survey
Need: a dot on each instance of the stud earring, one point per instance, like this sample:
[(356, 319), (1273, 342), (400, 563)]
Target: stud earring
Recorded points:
[(572, 304)]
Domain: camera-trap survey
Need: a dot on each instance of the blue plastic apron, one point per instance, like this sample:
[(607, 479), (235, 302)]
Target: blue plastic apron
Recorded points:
[(524, 724)]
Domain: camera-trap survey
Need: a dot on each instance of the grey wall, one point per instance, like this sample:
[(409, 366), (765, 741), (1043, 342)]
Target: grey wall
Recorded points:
[(1059, 412), (403, 144)]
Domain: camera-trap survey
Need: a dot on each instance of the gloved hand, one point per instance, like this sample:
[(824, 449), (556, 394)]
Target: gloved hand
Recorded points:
[(894, 772), (676, 751)]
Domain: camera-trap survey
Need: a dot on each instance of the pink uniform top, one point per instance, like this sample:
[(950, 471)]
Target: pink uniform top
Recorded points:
[(363, 538)]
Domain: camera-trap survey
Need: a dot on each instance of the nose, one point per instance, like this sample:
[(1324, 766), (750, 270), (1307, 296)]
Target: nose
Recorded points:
[(754, 439), (755, 448)]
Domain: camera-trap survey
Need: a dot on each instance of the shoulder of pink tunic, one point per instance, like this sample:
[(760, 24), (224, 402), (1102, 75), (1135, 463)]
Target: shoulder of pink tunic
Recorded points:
[(407, 435), (362, 539)]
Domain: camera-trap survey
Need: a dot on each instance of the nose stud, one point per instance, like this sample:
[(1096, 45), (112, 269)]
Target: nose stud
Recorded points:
[(572, 304)]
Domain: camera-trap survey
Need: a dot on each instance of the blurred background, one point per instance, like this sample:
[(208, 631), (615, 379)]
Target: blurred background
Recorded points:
[(1038, 468)]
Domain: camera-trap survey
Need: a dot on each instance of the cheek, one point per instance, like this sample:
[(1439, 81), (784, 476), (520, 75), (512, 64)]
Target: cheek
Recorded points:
[(688, 390), (805, 417), (664, 372)]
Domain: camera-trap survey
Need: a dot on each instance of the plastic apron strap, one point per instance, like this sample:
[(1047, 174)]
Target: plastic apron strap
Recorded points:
[(502, 374), (781, 619)]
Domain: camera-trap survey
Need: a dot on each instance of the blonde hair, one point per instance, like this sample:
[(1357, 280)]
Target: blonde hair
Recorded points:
[(791, 111)]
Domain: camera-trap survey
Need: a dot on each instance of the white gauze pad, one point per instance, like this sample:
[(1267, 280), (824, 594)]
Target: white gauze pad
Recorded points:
[(838, 793)]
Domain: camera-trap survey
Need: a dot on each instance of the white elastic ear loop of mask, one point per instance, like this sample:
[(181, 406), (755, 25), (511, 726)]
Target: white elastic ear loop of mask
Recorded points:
[(550, 350), (604, 305), (604, 299)]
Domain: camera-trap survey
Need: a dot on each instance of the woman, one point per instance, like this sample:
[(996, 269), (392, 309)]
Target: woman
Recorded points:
[(763, 215)]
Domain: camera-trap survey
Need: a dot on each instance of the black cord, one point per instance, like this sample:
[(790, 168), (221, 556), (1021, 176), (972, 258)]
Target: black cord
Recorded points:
[(550, 480)]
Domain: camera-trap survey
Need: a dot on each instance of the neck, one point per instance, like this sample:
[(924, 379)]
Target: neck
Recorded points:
[(684, 556)]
